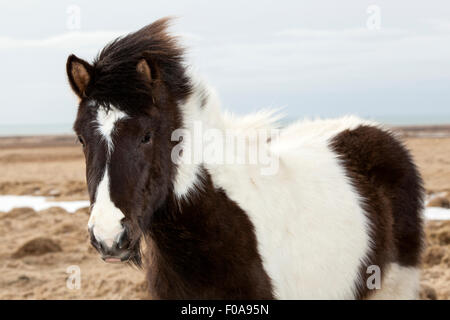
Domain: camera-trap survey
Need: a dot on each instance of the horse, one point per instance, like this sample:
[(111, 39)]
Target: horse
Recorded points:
[(337, 214)]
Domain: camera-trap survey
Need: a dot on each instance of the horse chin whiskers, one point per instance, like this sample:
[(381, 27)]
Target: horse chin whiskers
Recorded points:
[(135, 259)]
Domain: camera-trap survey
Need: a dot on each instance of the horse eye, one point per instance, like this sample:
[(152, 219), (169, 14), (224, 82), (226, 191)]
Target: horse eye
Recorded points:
[(80, 139), (146, 138)]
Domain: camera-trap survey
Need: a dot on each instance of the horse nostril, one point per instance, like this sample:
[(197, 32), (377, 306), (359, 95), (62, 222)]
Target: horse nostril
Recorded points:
[(95, 244), (93, 240), (123, 240), (113, 251), (103, 248)]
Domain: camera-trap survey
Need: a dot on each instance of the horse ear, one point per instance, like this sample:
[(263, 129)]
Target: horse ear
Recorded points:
[(79, 73), (144, 70)]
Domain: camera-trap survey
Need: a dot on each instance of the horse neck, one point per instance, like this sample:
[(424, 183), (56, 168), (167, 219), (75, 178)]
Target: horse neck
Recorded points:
[(199, 237), (199, 113), (197, 242), (179, 217), (201, 107)]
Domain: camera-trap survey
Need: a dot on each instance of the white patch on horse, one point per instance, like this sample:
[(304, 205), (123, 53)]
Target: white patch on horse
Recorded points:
[(304, 215), (106, 122), (309, 205), (105, 219), (187, 178)]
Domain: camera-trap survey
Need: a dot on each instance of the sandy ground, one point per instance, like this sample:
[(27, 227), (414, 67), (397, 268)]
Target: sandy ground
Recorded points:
[(39, 249)]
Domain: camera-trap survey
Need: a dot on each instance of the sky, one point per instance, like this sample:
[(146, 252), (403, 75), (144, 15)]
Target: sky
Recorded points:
[(376, 59)]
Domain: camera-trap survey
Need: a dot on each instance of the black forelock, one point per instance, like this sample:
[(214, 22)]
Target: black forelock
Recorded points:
[(116, 81)]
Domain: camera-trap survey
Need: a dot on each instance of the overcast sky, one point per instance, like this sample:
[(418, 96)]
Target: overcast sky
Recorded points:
[(312, 58)]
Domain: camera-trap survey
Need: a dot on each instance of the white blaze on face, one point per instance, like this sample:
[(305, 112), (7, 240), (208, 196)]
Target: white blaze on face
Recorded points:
[(106, 121), (105, 219), (105, 216)]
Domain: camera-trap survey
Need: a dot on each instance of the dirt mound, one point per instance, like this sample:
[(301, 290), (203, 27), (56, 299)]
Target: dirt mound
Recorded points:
[(436, 261), (37, 247), (45, 276), (439, 233), (82, 211), (70, 190), (444, 237), (434, 256), (442, 202), (19, 214), (428, 293)]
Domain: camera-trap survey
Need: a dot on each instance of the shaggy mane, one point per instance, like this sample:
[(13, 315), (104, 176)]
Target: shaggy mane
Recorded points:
[(115, 78)]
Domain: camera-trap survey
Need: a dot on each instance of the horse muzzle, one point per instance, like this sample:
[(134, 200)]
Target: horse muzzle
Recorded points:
[(116, 252)]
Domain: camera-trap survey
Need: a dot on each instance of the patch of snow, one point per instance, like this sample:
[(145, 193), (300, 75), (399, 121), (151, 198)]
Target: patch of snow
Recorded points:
[(433, 196), (8, 203), (38, 203), (436, 213)]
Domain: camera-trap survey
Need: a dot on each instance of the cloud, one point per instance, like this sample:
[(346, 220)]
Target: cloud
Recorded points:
[(319, 34), (441, 25), (320, 60), (294, 57), (76, 39), (65, 40)]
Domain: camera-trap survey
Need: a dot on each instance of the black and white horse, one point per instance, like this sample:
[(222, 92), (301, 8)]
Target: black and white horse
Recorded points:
[(342, 200)]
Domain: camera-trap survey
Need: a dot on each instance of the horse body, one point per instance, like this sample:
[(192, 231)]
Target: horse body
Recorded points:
[(345, 196), (311, 228)]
